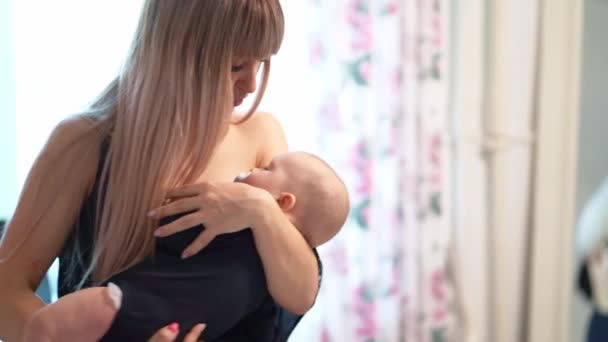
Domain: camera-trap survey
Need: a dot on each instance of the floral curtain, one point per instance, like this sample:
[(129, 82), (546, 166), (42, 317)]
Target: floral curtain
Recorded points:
[(379, 70)]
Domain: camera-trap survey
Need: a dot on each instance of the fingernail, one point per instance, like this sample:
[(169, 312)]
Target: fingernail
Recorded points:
[(115, 294), (158, 233), (152, 213), (186, 254), (174, 327)]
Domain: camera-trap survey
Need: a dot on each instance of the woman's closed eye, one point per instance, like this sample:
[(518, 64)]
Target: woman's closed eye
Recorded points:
[(237, 68)]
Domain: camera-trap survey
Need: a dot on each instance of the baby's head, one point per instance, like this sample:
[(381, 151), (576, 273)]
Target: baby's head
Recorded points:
[(308, 190)]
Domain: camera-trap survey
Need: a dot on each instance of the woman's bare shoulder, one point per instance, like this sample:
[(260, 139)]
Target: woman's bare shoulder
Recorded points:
[(77, 127), (74, 141), (266, 131)]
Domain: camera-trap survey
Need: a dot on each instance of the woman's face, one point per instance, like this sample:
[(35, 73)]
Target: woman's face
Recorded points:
[(243, 77)]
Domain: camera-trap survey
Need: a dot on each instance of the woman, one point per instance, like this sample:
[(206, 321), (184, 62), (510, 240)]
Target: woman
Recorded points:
[(166, 121)]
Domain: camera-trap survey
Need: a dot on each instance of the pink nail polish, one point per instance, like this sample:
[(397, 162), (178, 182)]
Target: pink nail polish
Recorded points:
[(174, 327), (151, 213)]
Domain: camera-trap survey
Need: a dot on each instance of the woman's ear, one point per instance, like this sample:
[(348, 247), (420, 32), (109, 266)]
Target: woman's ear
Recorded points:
[(287, 201)]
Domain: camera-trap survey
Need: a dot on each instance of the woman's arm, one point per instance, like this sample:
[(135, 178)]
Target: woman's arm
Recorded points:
[(290, 265), (50, 201)]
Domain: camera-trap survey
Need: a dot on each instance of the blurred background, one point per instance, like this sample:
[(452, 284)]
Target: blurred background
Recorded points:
[(469, 132)]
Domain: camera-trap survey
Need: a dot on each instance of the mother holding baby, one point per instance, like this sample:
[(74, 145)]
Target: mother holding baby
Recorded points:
[(116, 191)]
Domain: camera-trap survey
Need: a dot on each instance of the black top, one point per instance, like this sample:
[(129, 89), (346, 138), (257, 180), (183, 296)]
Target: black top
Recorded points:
[(584, 283), (223, 286)]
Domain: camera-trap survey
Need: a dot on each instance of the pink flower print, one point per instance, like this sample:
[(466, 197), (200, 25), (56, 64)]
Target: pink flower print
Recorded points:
[(365, 186), (437, 292), (367, 211), (439, 315), (338, 260), (361, 70), (325, 334), (437, 286), (436, 180), (365, 70), (395, 133), (361, 22), (365, 309), (392, 7), (330, 114), (435, 157), (361, 163), (361, 213), (317, 51), (435, 150), (396, 278), (397, 219), (363, 40), (397, 80), (436, 26)]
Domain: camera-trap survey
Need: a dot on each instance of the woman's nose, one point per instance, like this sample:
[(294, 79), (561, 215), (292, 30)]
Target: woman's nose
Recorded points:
[(249, 81)]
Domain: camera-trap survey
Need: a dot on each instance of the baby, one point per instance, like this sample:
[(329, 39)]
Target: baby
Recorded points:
[(306, 189)]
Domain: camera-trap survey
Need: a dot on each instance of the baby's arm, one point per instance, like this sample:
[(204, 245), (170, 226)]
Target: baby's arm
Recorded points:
[(84, 316)]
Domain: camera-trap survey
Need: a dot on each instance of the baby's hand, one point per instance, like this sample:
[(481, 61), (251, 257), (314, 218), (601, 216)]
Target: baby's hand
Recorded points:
[(85, 315)]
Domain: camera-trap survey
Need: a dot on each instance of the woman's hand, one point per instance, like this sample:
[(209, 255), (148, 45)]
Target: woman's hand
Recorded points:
[(170, 333), (221, 207), (85, 315)]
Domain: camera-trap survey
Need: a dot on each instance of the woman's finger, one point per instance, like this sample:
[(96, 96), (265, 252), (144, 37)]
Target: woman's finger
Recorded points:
[(181, 224), (180, 206), (187, 190), (166, 334), (201, 241), (195, 333)]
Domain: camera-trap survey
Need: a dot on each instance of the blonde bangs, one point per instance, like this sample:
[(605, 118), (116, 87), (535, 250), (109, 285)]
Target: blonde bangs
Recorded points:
[(261, 30)]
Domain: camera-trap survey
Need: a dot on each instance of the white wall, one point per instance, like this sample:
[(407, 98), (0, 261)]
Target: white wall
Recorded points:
[(593, 137), (7, 111)]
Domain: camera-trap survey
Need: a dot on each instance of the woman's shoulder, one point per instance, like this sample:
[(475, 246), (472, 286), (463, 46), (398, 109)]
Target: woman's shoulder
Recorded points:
[(261, 124), (75, 142), (74, 128), (266, 131)]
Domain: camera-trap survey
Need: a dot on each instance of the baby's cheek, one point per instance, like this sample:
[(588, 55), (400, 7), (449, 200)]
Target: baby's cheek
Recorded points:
[(254, 179)]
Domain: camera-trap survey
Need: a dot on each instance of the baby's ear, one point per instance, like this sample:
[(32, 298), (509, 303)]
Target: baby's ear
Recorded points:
[(287, 201)]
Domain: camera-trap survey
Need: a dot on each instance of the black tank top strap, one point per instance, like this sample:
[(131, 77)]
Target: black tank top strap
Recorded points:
[(76, 254)]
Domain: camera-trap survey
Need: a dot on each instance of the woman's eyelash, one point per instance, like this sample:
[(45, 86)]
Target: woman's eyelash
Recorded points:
[(237, 68)]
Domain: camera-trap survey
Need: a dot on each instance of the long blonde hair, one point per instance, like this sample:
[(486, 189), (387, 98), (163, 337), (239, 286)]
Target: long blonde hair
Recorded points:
[(167, 111)]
